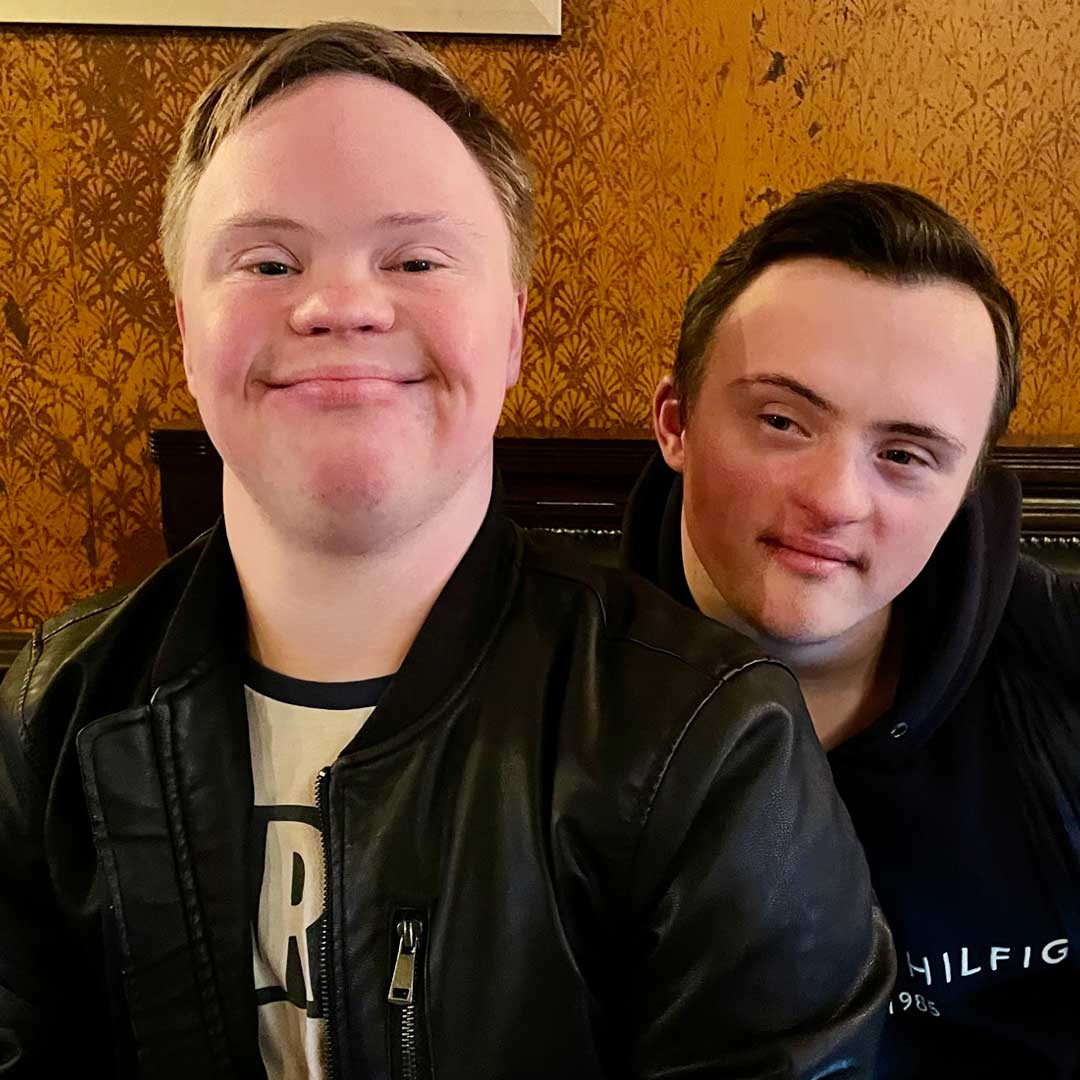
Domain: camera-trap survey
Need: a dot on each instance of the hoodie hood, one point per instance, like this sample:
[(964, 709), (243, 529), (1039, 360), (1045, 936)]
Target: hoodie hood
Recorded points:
[(952, 610), (651, 543)]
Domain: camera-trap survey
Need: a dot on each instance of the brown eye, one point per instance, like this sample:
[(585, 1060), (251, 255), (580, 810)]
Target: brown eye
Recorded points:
[(778, 423), (417, 266), (901, 457), (270, 269)]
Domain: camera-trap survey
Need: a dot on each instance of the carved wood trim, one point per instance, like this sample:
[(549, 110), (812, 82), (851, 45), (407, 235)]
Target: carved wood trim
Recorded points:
[(1049, 476), (569, 483)]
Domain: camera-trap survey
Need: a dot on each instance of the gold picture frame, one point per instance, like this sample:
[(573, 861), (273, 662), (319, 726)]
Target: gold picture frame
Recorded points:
[(537, 17)]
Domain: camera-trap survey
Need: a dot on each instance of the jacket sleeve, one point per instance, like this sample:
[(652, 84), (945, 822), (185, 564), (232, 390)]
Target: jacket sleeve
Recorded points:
[(763, 953), (37, 964)]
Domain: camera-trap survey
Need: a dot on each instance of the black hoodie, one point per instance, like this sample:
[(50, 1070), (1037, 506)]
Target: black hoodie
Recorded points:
[(965, 793)]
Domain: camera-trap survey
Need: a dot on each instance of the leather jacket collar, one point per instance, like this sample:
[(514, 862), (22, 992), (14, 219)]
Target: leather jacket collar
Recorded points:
[(209, 620)]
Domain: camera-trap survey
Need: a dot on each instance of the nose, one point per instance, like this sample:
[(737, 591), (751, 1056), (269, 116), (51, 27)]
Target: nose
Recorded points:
[(832, 490), (359, 304)]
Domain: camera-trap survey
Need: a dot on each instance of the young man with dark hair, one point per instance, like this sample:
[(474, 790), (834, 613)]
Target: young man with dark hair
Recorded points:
[(842, 372), (364, 783)]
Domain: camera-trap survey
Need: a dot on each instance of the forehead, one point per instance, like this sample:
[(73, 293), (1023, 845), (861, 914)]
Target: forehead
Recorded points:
[(343, 146), (858, 339)]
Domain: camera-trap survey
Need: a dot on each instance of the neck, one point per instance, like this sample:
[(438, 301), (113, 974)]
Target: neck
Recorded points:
[(850, 681), (325, 614), (847, 681)]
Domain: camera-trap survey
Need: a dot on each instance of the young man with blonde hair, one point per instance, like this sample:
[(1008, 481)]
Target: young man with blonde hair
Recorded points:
[(843, 370), (364, 782)]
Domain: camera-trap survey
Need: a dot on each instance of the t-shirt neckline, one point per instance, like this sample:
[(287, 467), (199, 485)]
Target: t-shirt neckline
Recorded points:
[(360, 694)]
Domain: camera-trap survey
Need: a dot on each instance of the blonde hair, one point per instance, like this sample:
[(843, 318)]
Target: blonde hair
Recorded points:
[(287, 59)]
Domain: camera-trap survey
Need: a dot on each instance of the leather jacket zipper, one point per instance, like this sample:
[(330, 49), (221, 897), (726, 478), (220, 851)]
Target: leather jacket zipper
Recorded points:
[(324, 938), (408, 1049)]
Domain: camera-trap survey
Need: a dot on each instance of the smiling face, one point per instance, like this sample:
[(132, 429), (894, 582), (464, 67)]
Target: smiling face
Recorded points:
[(834, 435), (349, 314)]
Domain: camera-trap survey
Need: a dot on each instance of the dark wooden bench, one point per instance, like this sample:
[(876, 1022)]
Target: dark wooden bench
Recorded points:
[(578, 487)]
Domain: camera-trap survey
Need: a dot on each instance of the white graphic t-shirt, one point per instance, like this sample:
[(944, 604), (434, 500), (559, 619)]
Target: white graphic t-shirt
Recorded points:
[(296, 728)]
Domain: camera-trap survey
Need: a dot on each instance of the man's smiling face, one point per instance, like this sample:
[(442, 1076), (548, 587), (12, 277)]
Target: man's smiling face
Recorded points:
[(833, 438), (347, 303)]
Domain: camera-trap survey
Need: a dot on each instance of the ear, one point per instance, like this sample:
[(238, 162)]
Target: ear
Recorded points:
[(517, 333), (668, 424), (188, 373)]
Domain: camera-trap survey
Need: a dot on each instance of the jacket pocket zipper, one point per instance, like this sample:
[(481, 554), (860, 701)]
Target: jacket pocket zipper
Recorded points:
[(408, 1045)]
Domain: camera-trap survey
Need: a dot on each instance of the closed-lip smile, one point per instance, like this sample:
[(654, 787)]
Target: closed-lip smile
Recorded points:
[(339, 373), (814, 553)]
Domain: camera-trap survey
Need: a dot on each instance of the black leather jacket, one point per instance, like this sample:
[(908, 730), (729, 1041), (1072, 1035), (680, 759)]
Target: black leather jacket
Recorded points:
[(609, 821)]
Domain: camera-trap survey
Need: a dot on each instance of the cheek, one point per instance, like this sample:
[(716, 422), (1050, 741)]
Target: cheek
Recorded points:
[(220, 345), (470, 345), (908, 537), (729, 476), (728, 499)]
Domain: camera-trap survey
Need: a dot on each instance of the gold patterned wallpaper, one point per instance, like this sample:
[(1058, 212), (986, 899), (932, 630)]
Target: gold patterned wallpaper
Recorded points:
[(658, 129)]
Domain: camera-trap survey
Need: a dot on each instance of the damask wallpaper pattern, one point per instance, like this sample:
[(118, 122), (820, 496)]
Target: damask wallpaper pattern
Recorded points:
[(658, 131)]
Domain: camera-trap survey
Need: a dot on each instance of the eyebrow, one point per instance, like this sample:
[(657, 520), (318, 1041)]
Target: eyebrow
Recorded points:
[(258, 221), (887, 427), (923, 431), (240, 222), (785, 382), (406, 219)]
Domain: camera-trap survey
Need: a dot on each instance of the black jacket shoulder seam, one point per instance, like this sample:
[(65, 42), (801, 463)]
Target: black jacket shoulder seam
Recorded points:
[(82, 616), (677, 742), (36, 642), (548, 572), (661, 776), (708, 673), (719, 678)]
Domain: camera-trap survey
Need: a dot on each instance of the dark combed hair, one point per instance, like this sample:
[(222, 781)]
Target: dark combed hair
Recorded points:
[(885, 231)]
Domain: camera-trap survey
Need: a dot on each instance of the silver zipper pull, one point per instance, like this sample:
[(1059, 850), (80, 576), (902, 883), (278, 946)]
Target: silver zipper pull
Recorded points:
[(403, 981)]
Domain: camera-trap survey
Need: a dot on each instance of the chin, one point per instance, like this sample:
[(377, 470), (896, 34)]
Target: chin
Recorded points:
[(322, 502), (347, 476), (798, 628), (346, 495), (341, 528)]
